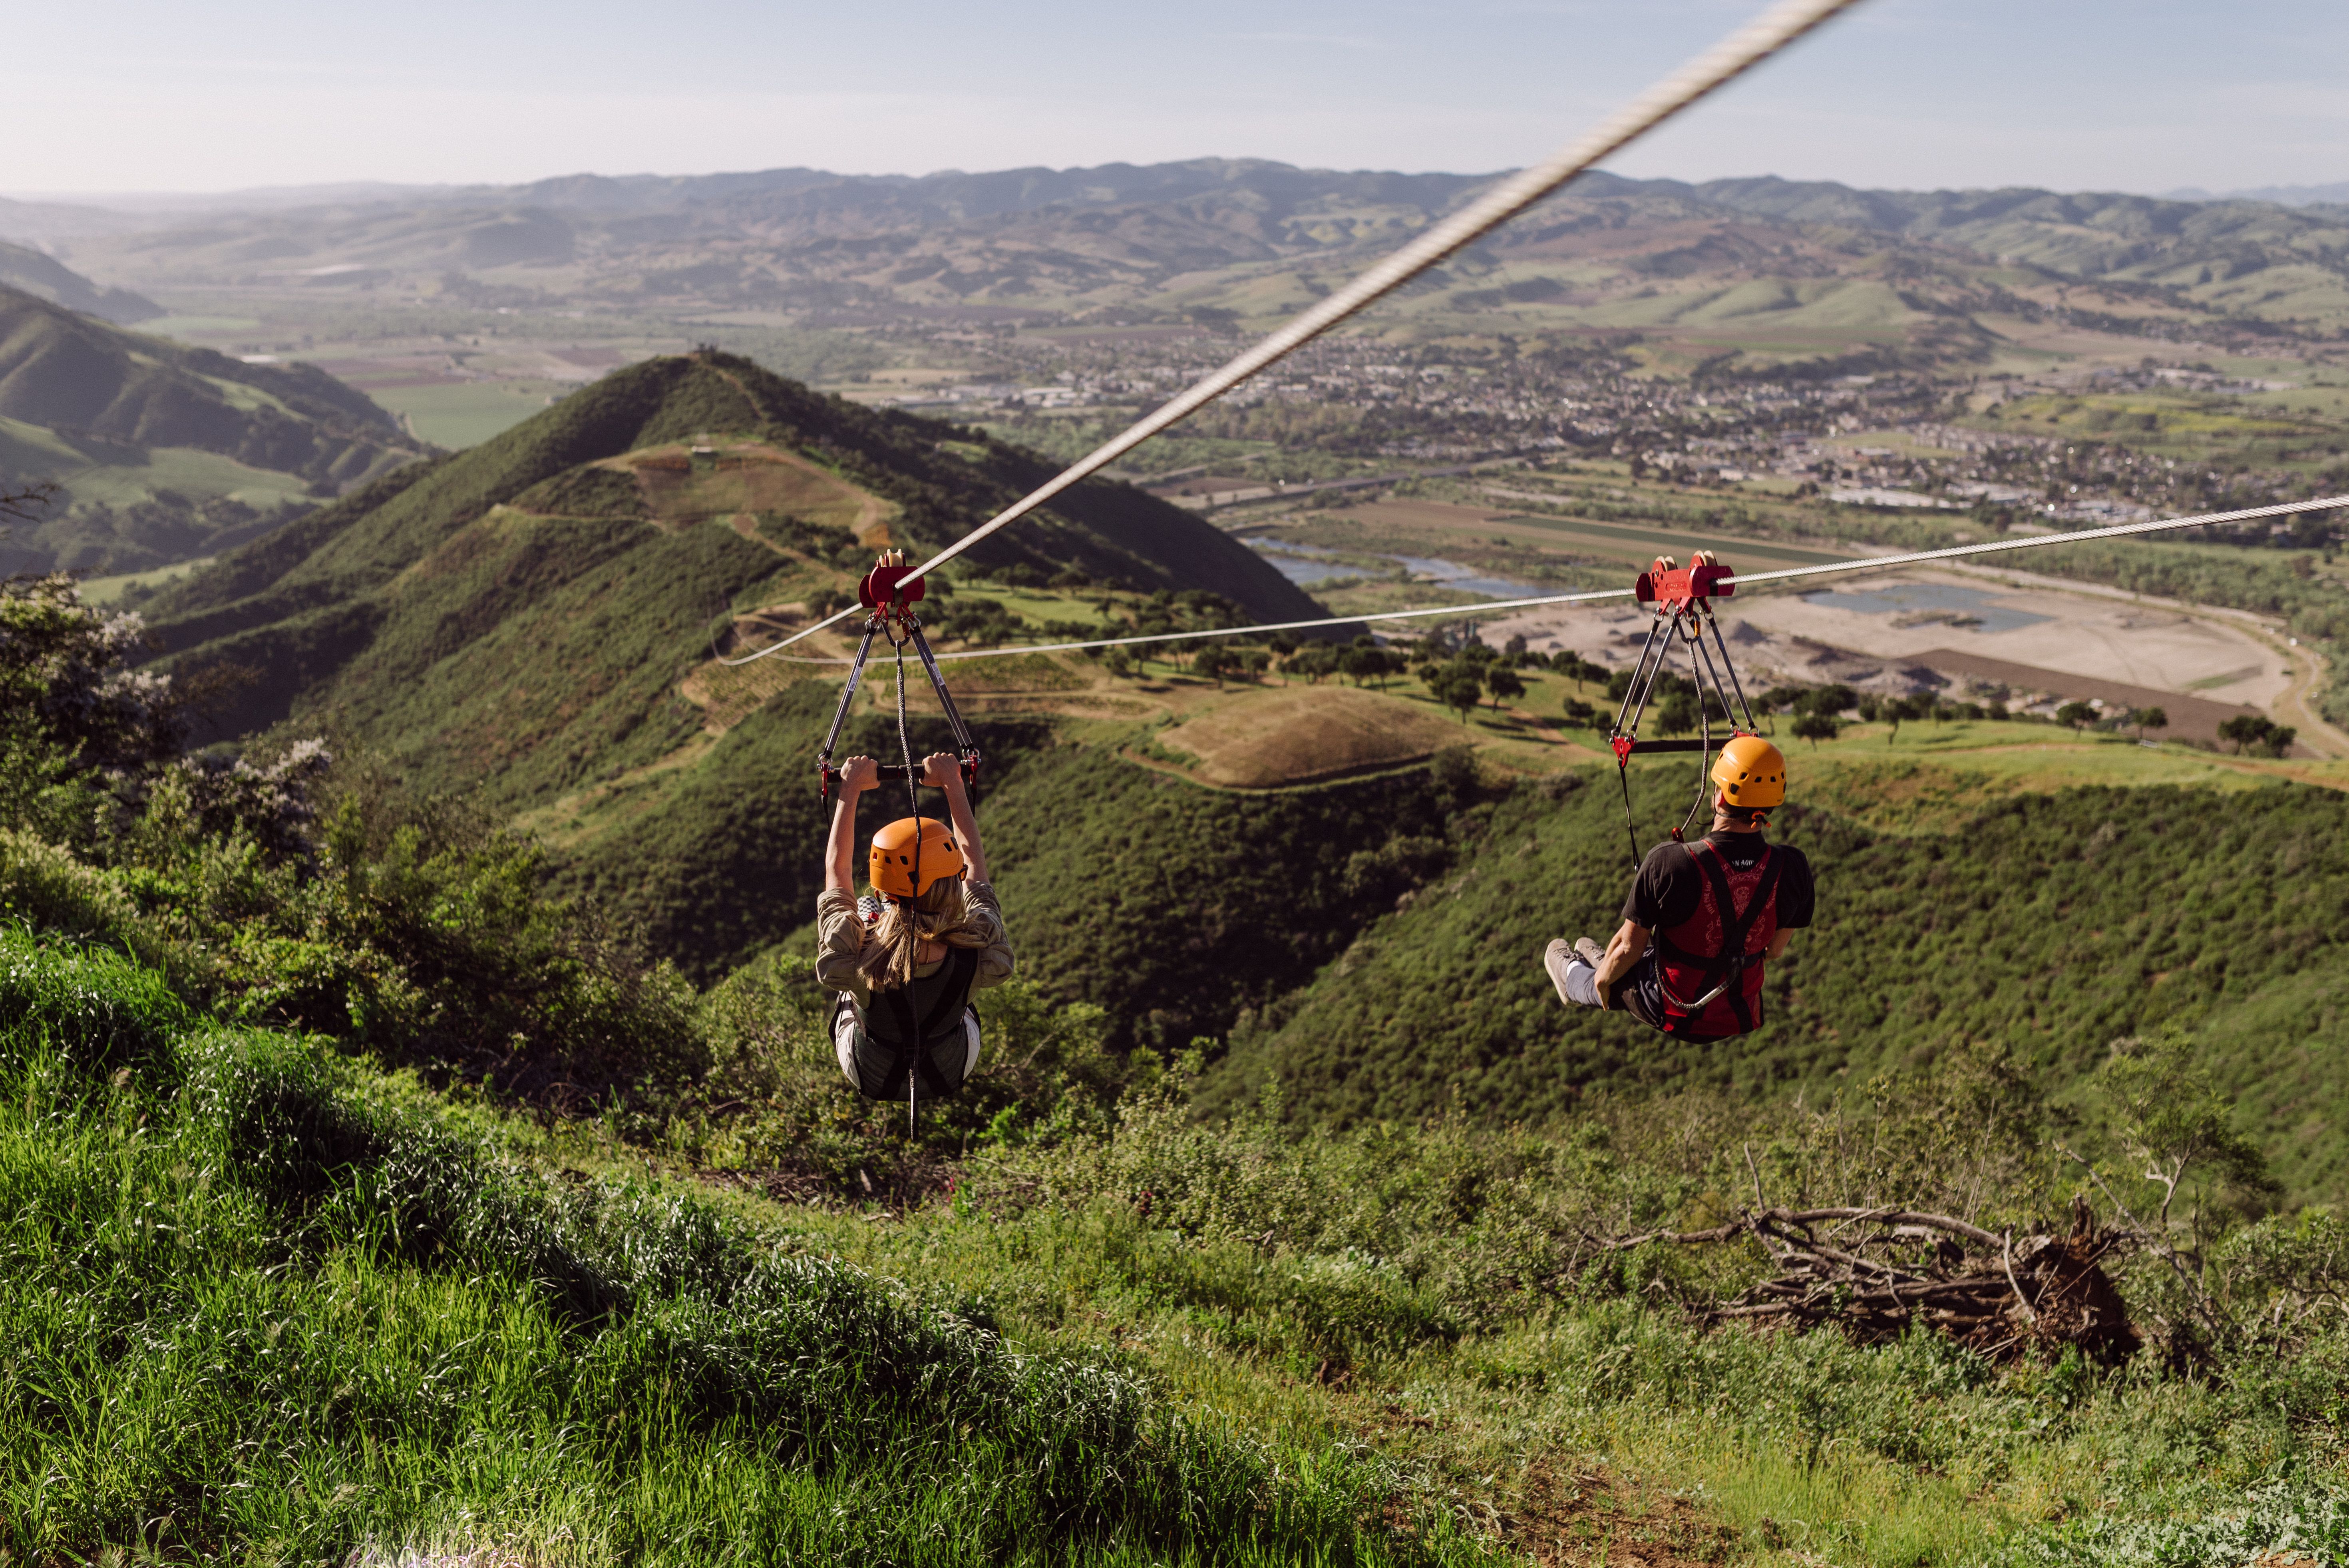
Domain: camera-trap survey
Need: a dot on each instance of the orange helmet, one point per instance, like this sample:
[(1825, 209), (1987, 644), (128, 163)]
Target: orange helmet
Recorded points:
[(1751, 772), (892, 863)]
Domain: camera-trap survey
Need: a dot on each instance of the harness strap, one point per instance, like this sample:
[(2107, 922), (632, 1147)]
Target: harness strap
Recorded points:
[(911, 1048), (962, 965), (1726, 967)]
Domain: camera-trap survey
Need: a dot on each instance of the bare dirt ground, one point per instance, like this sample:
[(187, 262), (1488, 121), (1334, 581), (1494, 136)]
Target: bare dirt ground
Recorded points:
[(751, 476), (2138, 642), (1288, 736), (1590, 1515), (1857, 631), (1422, 516)]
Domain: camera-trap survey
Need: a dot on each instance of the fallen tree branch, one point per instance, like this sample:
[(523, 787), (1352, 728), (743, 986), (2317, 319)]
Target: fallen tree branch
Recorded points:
[(1983, 1288)]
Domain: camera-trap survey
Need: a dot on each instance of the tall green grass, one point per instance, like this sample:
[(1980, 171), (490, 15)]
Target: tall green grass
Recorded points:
[(257, 1305)]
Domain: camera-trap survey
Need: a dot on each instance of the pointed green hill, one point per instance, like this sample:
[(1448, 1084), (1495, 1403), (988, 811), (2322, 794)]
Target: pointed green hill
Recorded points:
[(522, 614), (525, 617)]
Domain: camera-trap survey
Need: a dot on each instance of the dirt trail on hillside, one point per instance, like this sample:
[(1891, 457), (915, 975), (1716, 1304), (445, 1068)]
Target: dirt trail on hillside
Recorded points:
[(871, 526)]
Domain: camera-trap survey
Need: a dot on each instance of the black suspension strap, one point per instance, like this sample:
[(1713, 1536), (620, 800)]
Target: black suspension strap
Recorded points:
[(965, 748), (824, 767), (910, 909), (1737, 686), (1684, 628)]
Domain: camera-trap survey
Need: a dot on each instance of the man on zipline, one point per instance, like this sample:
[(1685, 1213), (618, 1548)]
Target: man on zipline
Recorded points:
[(1703, 919)]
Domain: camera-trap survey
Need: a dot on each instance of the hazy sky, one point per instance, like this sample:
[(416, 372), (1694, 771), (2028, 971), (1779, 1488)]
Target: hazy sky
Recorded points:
[(2142, 95)]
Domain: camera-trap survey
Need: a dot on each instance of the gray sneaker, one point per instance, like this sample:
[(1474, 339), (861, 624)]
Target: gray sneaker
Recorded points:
[(1590, 952), (1555, 958)]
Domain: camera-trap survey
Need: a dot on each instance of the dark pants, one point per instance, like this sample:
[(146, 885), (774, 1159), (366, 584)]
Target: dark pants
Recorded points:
[(1640, 992)]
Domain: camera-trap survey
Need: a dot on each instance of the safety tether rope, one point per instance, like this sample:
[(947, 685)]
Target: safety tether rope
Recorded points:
[(1486, 607), (1715, 69)]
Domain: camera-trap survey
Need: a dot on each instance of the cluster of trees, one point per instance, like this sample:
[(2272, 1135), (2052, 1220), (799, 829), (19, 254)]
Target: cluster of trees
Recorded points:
[(1460, 677), (2088, 715), (2251, 733)]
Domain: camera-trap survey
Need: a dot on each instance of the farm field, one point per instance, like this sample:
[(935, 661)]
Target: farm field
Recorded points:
[(1641, 544), (108, 590), (458, 414), (137, 474)]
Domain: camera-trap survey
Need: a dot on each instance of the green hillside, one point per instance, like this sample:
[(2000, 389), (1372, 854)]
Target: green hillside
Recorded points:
[(463, 1348), (162, 452), (2049, 925), (515, 617), (34, 273), (370, 1197)]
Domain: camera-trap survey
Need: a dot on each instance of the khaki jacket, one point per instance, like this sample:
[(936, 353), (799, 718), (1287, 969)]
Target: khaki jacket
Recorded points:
[(840, 937)]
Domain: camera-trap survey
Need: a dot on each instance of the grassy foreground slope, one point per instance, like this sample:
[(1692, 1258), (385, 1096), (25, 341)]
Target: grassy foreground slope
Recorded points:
[(263, 1298), (261, 1303)]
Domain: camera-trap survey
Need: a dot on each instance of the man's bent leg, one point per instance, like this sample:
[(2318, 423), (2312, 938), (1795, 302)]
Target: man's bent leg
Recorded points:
[(1641, 993), (1572, 972)]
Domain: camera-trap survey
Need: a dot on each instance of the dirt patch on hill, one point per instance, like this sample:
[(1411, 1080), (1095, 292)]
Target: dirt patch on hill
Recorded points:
[(683, 484), (1295, 734)]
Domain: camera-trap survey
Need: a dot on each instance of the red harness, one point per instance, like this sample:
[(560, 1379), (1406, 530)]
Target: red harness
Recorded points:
[(1710, 963)]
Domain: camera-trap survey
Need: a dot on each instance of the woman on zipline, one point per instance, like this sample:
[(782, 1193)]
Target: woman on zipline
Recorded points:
[(908, 959)]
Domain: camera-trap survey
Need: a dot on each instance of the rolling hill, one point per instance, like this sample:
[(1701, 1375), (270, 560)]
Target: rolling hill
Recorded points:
[(522, 614), (34, 273), (163, 451)]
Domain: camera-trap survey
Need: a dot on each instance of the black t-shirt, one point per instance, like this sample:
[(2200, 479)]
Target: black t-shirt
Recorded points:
[(1670, 882)]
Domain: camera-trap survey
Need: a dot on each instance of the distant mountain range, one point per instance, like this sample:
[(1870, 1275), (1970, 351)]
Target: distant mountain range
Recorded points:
[(2285, 195), (1116, 237)]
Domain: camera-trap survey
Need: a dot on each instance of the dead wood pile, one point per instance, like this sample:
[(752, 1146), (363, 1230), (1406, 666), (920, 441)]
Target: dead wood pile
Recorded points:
[(1873, 1273)]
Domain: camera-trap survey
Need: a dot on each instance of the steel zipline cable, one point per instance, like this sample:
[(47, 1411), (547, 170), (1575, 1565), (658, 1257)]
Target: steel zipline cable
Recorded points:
[(1486, 607), (1718, 67)]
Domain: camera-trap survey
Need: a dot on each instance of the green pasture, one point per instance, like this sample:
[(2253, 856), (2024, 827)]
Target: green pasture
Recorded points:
[(1641, 544), (2187, 425), (189, 471), (1038, 605), (469, 413), (193, 327), (107, 589)]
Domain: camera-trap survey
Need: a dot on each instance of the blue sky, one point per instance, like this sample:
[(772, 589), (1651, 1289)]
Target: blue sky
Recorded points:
[(2142, 95)]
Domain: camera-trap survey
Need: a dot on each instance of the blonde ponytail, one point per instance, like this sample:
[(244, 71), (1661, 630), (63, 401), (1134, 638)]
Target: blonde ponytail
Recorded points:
[(893, 944)]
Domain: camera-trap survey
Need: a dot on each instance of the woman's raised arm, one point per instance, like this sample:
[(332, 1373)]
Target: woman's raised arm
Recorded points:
[(857, 775), (941, 770)]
